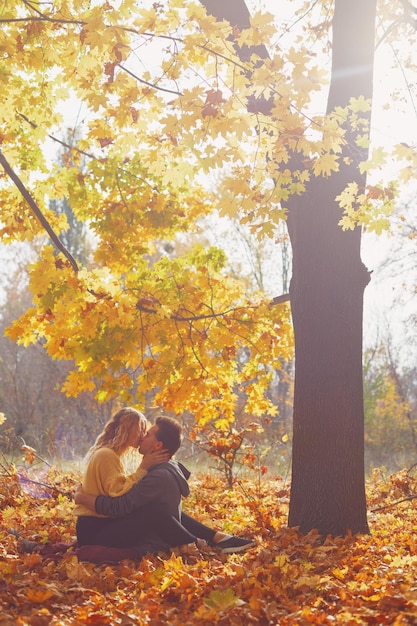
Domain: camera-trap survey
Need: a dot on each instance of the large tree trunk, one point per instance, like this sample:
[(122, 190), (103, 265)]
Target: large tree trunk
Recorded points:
[(328, 281), (328, 482)]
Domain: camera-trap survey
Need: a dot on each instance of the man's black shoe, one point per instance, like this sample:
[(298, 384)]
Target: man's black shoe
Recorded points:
[(231, 545)]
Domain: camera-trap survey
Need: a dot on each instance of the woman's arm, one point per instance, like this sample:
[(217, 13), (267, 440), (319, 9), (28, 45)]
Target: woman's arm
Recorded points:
[(120, 484), (154, 458), (105, 473)]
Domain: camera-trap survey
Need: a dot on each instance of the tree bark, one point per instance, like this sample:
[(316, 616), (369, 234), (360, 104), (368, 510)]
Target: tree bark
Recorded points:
[(326, 293)]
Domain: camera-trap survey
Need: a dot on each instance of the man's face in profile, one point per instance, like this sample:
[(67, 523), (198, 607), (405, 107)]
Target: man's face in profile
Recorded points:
[(150, 442)]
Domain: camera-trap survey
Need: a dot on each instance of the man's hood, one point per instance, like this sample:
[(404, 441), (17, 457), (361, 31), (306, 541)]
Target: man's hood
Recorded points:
[(179, 471)]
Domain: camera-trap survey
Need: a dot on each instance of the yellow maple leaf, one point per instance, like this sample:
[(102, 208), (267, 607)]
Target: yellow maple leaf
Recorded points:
[(148, 18), (360, 104), (326, 164), (222, 600), (76, 570), (263, 26)]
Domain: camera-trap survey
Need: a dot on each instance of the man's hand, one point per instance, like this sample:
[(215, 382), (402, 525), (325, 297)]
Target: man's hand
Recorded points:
[(154, 458), (85, 499)]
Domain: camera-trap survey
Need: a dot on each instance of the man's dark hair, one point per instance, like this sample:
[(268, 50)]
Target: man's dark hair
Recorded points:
[(169, 433)]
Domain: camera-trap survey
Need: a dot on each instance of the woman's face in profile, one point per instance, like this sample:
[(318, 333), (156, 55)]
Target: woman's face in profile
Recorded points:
[(136, 434)]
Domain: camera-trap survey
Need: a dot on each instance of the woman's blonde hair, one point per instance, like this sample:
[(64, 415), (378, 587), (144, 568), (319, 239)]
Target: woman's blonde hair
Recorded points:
[(117, 430)]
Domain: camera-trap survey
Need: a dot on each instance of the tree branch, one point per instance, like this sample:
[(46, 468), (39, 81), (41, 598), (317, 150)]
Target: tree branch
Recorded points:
[(41, 18), (192, 318), (237, 14), (25, 479), (388, 506), (36, 210), (410, 12), (64, 144), (284, 297), (145, 82)]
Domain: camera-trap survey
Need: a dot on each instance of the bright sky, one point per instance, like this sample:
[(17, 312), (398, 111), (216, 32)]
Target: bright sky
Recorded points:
[(389, 126)]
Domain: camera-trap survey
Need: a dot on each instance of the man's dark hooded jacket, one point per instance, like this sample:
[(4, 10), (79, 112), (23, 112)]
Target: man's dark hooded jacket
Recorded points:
[(164, 484)]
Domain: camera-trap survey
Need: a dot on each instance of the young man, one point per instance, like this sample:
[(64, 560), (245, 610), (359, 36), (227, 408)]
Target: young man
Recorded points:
[(150, 514)]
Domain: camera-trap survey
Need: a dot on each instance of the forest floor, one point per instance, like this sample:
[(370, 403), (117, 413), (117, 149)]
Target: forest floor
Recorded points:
[(286, 579)]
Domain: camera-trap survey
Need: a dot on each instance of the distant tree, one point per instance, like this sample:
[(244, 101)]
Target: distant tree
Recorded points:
[(390, 411), (37, 411), (398, 275), (75, 237), (266, 265)]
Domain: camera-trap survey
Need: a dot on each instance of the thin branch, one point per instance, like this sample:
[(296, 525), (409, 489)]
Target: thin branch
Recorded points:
[(33, 452), (285, 297), (32, 6), (44, 18), (411, 468), (72, 148), (410, 13), (60, 141), (212, 315), (145, 82), (407, 84), (388, 506), (36, 210), (25, 479), (299, 19), (194, 318)]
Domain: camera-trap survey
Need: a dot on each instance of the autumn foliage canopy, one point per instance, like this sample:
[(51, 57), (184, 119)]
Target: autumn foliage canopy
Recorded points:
[(153, 307)]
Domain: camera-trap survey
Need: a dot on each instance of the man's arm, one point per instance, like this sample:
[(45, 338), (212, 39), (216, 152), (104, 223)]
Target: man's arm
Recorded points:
[(150, 489)]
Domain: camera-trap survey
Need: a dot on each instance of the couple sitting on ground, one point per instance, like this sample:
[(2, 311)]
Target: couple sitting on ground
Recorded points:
[(141, 511)]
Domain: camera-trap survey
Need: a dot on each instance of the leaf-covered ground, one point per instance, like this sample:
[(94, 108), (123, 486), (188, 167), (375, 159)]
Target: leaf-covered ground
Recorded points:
[(286, 579)]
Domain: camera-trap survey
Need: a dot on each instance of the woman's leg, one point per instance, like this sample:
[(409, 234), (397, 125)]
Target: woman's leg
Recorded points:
[(129, 531)]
